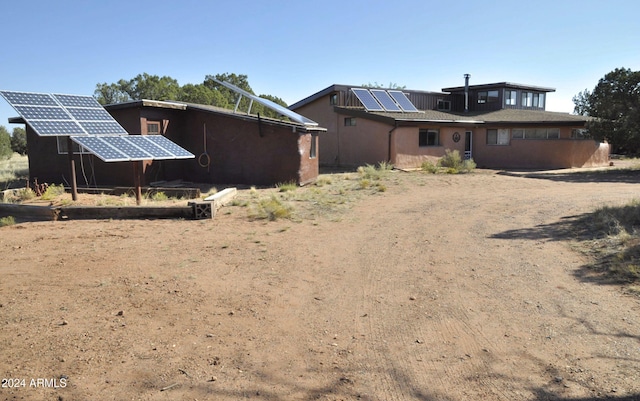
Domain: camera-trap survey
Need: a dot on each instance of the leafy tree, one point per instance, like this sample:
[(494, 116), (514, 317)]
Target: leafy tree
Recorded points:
[(615, 105), (112, 93), (19, 140), (5, 144), (376, 85), (202, 94), (143, 86)]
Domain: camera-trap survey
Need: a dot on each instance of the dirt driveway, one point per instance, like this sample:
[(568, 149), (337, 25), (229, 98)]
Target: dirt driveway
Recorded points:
[(441, 288)]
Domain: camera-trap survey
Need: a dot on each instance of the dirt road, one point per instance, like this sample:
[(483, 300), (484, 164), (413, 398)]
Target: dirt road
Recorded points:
[(441, 288)]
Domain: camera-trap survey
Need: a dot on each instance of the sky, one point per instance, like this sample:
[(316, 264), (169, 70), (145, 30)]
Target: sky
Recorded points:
[(293, 49)]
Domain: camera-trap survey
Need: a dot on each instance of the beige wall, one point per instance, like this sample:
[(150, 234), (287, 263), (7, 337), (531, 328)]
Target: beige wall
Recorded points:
[(407, 153), (539, 153)]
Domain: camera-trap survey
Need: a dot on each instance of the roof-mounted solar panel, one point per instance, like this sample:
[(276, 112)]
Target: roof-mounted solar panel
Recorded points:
[(403, 101), (366, 98), (385, 100), (293, 116)]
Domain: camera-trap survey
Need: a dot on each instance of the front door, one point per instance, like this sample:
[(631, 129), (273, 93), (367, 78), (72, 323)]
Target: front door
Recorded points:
[(468, 142)]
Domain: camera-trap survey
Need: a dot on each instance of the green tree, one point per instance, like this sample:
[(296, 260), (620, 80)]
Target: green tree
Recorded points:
[(112, 93), (376, 85), (143, 86), (19, 140), (615, 105), (202, 94), (5, 144)]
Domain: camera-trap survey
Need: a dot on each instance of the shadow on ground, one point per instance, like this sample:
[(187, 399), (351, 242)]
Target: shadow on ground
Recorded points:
[(619, 175)]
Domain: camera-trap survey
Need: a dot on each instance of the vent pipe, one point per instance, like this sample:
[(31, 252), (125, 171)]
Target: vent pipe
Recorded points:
[(466, 92)]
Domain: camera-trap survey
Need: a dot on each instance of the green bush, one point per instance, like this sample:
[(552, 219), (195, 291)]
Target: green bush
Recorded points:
[(451, 159), (429, 167), (52, 192), (271, 209), (7, 221), (5, 144)]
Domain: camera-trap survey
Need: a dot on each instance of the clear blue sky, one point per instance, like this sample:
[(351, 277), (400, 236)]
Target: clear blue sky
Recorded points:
[(292, 49)]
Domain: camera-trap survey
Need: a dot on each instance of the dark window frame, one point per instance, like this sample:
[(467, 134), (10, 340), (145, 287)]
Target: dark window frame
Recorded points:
[(428, 137)]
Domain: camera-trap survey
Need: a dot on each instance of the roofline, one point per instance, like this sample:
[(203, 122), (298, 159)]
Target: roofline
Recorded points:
[(210, 109), (500, 85)]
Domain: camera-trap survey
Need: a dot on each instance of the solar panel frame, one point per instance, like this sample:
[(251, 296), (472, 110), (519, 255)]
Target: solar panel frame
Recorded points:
[(367, 99), (385, 100), (403, 101)]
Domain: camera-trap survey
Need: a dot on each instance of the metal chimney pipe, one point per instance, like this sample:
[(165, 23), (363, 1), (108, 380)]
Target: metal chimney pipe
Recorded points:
[(466, 92)]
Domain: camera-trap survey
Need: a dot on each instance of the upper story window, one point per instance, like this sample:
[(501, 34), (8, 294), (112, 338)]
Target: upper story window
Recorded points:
[(530, 99), (488, 96), (444, 105), (333, 99), (510, 97)]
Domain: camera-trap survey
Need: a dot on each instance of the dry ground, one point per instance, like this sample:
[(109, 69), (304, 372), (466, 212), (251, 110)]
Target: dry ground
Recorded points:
[(441, 288)]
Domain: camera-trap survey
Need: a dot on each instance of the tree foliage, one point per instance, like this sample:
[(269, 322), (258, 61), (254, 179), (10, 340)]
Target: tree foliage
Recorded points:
[(376, 85), (19, 141), (615, 105), (5, 144), (209, 92)]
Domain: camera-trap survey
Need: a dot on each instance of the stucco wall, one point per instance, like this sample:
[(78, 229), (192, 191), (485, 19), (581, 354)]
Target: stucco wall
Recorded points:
[(408, 153), (540, 153)]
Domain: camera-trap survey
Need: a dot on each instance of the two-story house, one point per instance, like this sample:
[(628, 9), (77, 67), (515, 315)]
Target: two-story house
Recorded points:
[(500, 125)]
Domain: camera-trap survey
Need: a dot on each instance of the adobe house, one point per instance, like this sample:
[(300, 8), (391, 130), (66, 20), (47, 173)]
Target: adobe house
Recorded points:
[(500, 125), (230, 148)]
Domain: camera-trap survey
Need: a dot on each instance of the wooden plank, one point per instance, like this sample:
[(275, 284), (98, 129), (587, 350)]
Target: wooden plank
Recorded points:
[(28, 212), (126, 212)]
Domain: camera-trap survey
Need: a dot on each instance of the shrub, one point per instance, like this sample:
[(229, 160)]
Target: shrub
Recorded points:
[(271, 209), (159, 197), (52, 192), (451, 159), (7, 221), (287, 186), (429, 167)]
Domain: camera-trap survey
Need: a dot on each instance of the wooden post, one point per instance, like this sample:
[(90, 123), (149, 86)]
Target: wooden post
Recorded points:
[(72, 167), (137, 179)]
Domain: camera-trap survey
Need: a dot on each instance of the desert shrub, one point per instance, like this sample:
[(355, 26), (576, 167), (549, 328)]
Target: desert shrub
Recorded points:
[(468, 166), (451, 159), (52, 192), (159, 196), (371, 172), (25, 194), (429, 167), (7, 221), (287, 186), (271, 208)]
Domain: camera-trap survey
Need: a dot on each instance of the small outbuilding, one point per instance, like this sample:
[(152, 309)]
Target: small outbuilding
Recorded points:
[(231, 147)]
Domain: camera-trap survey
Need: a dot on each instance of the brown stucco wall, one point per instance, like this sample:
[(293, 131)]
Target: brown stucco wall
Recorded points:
[(241, 151), (539, 153), (408, 154)]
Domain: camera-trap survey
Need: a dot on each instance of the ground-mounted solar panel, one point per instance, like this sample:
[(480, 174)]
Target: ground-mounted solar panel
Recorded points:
[(102, 127), (77, 101), (171, 147), (84, 113), (100, 148), (366, 98), (42, 112), (56, 127), (385, 100), (123, 145), (28, 98), (149, 146), (403, 101)]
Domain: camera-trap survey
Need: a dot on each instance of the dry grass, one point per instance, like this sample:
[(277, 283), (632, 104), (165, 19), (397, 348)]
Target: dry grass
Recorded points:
[(14, 171)]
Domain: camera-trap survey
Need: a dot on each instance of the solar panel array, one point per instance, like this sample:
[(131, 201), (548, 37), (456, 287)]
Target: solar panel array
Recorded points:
[(62, 115), (384, 100), (132, 148), (89, 125)]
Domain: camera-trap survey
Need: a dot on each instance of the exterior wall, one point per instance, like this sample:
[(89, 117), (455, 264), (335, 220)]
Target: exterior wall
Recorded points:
[(539, 153), (322, 113), (240, 150), (408, 154)]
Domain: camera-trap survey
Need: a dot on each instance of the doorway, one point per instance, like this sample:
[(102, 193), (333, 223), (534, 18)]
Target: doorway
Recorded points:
[(468, 144)]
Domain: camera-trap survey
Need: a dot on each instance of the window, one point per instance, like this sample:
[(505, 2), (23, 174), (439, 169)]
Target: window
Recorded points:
[(510, 97), (350, 122), (444, 105), (488, 96), (63, 148), (313, 150), (428, 137), (527, 99), (535, 133), (579, 133), (333, 99), (497, 137), (153, 127)]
